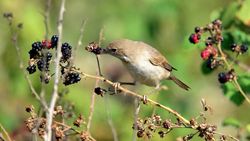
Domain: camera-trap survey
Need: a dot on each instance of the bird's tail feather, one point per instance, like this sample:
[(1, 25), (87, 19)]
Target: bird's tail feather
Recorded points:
[(179, 82)]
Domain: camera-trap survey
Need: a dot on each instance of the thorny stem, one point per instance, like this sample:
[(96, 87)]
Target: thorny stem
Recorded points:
[(57, 71), (5, 132), (235, 82)]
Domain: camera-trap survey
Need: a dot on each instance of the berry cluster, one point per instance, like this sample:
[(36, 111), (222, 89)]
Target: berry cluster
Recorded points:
[(71, 78), (94, 48), (37, 125), (66, 51), (211, 54), (40, 58), (240, 49), (224, 77), (146, 127)]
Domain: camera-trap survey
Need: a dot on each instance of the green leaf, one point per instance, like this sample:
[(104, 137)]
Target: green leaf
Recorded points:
[(230, 92), (228, 40), (204, 69), (229, 13), (243, 14), (233, 94), (231, 122)]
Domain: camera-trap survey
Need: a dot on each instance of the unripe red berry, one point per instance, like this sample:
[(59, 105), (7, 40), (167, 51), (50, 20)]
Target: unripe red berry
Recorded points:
[(46, 44), (194, 38), (205, 54), (213, 51)]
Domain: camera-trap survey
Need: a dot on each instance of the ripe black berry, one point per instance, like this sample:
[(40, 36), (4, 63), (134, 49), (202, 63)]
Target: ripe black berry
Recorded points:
[(211, 63), (66, 51), (42, 65), (197, 29), (243, 48), (37, 46), (71, 78), (54, 40), (233, 46), (31, 69), (48, 56), (223, 77), (34, 54)]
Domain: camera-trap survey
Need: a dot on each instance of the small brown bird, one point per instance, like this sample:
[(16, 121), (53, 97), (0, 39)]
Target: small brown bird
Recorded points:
[(146, 65)]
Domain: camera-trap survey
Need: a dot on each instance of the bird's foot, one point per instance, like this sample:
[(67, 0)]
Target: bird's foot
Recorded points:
[(145, 99), (116, 86)]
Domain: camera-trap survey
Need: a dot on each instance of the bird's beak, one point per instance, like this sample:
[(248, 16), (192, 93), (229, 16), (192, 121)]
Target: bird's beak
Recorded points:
[(106, 51)]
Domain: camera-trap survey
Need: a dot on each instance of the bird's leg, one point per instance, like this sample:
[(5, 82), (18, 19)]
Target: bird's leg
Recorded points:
[(159, 87), (117, 84)]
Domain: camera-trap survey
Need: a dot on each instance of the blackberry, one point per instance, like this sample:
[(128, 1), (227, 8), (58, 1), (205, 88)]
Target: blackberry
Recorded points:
[(34, 54), (211, 63), (197, 29), (66, 51), (42, 65), (71, 78), (243, 48), (223, 77), (233, 47), (31, 69), (54, 40), (48, 56), (37, 46)]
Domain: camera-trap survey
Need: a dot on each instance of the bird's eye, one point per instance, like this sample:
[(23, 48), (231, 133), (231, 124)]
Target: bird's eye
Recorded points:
[(113, 50)]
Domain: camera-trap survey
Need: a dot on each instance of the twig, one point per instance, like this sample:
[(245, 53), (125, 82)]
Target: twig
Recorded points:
[(57, 71), (91, 107), (46, 18), (110, 122), (92, 104), (5, 132), (140, 97), (241, 65), (21, 65), (136, 115), (233, 138), (79, 42)]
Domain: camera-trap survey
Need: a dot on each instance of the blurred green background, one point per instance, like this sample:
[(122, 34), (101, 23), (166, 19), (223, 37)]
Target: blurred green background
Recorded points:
[(164, 24)]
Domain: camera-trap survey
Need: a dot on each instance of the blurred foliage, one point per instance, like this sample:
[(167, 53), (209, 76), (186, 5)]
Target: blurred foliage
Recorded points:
[(163, 24)]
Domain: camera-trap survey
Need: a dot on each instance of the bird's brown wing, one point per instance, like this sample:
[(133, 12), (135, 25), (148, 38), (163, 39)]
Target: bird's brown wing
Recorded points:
[(159, 60)]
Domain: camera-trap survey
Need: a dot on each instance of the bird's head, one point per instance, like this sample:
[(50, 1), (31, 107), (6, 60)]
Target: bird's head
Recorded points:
[(120, 49)]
